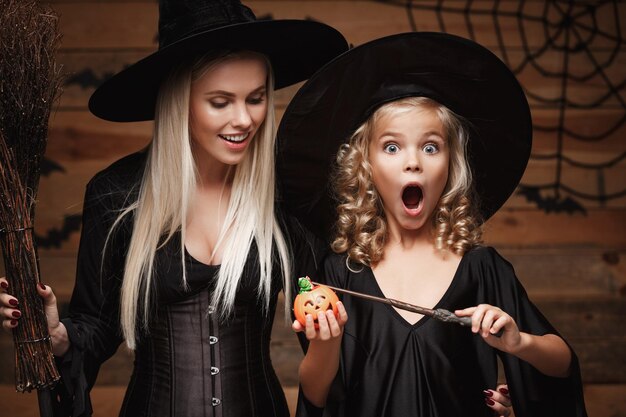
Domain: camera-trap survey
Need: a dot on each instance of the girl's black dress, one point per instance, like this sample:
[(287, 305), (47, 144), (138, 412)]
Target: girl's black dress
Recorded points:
[(188, 363), (392, 368)]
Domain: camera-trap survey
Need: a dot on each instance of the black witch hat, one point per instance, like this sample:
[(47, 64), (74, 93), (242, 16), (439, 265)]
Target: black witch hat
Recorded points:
[(456, 72), (295, 48)]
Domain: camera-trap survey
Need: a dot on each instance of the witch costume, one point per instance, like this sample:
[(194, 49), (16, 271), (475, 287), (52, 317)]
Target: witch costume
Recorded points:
[(188, 363), (388, 366)]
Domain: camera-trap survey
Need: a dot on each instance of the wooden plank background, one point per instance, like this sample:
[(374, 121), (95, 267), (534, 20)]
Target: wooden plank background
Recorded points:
[(573, 265)]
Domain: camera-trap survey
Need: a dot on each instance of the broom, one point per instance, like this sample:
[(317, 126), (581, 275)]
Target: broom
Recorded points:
[(30, 81)]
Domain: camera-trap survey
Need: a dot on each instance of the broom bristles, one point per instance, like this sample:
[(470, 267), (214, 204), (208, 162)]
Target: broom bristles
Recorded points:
[(29, 83)]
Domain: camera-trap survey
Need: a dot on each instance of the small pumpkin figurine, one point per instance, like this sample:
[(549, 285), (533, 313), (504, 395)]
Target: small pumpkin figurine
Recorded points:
[(313, 299)]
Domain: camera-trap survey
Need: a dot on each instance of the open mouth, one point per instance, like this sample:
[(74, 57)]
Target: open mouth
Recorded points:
[(235, 138), (412, 196)]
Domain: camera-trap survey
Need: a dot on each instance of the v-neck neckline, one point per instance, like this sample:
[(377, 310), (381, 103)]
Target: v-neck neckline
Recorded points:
[(199, 262), (424, 318)]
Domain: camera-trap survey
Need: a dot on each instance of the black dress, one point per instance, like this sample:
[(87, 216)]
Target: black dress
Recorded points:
[(188, 363), (391, 368)]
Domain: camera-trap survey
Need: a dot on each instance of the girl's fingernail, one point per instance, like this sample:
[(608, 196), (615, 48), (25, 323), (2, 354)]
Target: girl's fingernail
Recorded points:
[(16, 314), (488, 393), (489, 401), (13, 322), (13, 301), (4, 285), (504, 391), (42, 286)]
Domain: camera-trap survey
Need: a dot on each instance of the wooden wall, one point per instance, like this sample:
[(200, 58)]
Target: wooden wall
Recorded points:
[(572, 264)]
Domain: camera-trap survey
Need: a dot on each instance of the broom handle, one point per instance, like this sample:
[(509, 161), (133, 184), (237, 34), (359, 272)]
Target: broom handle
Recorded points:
[(44, 398)]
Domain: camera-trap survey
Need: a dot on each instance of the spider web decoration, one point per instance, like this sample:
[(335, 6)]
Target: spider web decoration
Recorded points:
[(572, 52)]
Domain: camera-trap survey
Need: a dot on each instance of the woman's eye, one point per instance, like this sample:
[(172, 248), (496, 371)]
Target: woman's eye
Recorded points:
[(256, 100), (391, 148), (218, 104), (430, 148)]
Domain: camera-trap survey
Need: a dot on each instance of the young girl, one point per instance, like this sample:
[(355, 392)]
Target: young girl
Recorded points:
[(183, 251), (438, 135)]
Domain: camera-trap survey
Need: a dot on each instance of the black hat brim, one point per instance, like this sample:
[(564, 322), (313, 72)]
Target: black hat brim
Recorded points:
[(295, 48), (464, 76)]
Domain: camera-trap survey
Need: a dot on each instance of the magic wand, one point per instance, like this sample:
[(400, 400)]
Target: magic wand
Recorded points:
[(440, 314)]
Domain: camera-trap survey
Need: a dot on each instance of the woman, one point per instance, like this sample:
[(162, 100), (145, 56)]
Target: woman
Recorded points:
[(183, 251)]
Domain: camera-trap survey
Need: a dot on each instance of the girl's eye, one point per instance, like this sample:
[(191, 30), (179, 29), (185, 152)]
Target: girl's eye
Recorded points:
[(430, 148), (391, 148)]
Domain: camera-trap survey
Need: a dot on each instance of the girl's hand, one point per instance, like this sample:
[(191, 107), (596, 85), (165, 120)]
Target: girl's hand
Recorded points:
[(488, 320), (11, 314), (321, 362), (330, 327), (499, 400)]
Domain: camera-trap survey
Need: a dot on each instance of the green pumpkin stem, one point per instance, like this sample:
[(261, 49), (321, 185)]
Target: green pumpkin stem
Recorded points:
[(304, 284)]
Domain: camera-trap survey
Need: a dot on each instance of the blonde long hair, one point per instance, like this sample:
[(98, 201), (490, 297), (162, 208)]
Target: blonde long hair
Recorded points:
[(161, 208), (361, 227)]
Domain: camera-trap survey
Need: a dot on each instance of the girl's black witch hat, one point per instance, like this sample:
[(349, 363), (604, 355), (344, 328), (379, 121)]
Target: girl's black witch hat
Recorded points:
[(336, 100)]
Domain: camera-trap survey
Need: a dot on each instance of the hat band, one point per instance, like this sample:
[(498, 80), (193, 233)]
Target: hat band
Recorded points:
[(429, 85), (212, 16)]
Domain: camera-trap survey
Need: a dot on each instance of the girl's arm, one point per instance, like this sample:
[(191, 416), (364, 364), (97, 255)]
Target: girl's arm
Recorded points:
[(549, 354), (321, 362)]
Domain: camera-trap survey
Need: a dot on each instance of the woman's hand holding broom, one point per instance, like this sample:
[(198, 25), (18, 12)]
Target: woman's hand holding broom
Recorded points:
[(10, 315)]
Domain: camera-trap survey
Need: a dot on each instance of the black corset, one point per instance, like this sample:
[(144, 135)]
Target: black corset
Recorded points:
[(191, 364)]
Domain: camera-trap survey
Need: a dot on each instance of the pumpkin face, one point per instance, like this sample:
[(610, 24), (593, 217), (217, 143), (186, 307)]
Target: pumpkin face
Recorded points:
[(319, 298)]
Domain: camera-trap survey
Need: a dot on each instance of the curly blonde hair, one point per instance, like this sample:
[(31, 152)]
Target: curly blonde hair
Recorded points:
[(361, 227)]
